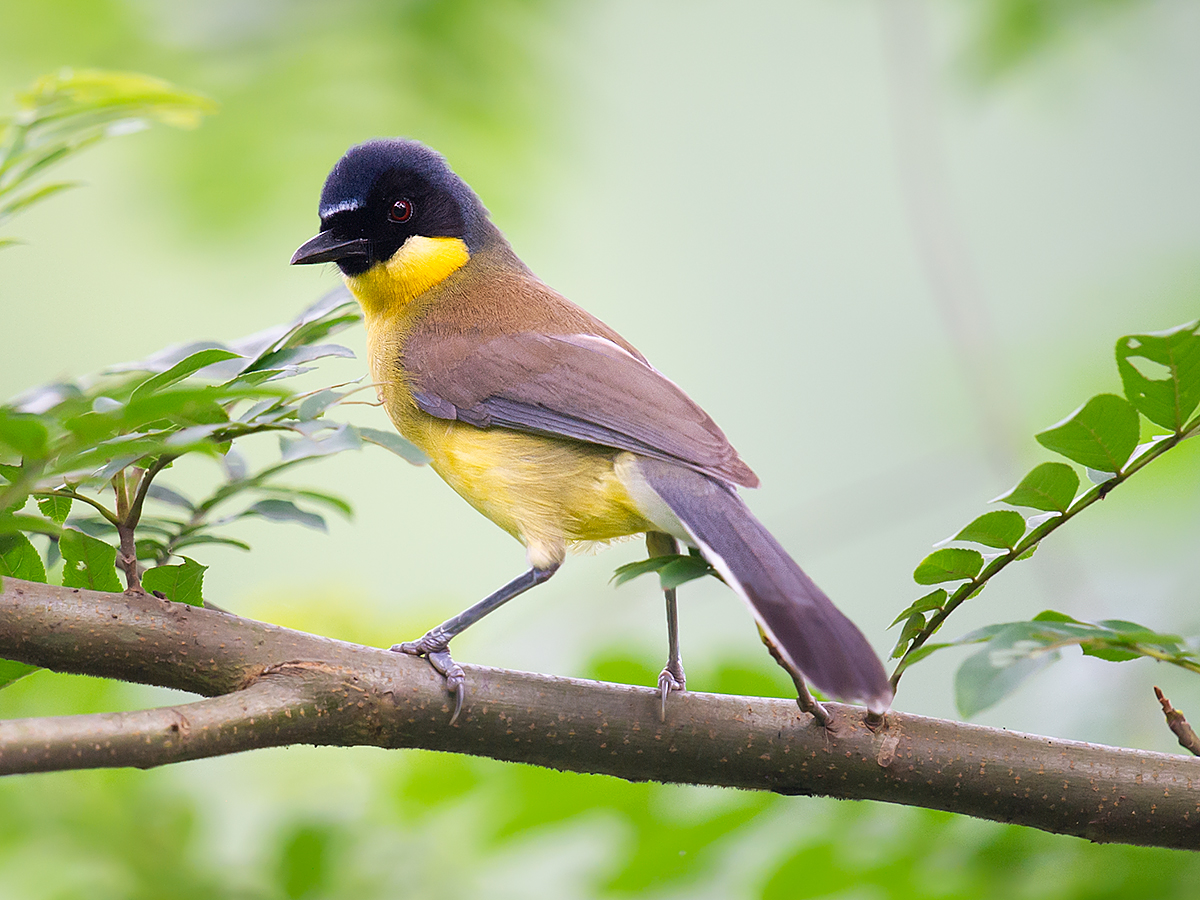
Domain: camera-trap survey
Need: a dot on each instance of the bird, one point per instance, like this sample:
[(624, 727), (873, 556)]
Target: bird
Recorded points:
[(551, 424)]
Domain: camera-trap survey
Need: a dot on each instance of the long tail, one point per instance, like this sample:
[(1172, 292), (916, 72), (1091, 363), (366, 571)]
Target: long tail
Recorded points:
[(815, 636)]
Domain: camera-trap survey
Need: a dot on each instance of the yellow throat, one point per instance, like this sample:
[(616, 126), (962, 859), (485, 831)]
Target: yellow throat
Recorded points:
[(419, 264)]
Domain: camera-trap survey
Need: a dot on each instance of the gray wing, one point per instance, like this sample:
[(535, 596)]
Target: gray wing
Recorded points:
[(579, 386)]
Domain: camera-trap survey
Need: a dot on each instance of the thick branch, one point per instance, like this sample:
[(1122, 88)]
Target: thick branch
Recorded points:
[(275, 687)]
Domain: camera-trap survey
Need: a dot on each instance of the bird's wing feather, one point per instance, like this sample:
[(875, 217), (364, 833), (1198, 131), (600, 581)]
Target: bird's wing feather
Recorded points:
[(580, 386)]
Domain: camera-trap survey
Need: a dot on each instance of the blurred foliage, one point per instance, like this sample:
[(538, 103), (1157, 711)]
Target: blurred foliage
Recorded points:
[(69, 443), (1012, 34), (299, 82), (1160, 374), (65, 113)]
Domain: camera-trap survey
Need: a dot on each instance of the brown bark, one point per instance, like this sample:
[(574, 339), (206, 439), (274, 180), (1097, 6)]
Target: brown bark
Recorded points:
[(270, 686)]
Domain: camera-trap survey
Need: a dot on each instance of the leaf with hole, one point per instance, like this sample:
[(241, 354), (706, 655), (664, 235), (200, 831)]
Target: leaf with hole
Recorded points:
[(90, 562), (1102, 434), (1174, 357), (1050, 486)]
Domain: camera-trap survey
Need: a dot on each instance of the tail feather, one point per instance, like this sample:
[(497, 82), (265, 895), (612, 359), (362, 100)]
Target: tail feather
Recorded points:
[(824, 645)]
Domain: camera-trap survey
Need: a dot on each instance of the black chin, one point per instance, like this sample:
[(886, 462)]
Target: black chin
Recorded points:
[(354, 265)]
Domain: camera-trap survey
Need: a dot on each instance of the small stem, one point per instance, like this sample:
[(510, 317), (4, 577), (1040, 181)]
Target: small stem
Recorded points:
[(74, 495), (1188, 739), (118, 486)]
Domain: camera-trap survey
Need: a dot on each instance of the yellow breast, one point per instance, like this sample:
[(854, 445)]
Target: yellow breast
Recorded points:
[(547, 492)]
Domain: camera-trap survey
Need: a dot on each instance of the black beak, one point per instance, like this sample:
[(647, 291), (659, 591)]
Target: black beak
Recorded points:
[(328, 247)]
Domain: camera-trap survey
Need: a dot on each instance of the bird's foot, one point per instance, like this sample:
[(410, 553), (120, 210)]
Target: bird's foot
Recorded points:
[(436, 648), (670, 679)]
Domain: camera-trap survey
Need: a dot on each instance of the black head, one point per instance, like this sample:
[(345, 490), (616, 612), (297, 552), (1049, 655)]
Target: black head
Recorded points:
[(383, 192)]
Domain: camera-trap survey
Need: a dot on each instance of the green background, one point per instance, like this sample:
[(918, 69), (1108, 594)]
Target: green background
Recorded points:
[(882, 243)]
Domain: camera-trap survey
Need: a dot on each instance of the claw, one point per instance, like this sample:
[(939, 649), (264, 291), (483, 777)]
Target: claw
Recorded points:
[(669, 681), (436, 650), (460, 692)]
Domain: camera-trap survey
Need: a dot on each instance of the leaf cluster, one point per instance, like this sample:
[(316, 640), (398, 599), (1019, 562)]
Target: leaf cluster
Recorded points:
[(60, 115), (91, 455), (1160, 374)]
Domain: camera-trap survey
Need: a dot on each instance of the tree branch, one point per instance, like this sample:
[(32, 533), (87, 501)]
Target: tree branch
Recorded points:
[(272, 687)]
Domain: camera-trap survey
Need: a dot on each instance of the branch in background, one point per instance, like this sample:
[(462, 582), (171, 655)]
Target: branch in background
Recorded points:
[(273, 687)]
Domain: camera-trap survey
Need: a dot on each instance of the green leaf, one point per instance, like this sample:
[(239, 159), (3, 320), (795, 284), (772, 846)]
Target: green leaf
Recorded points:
[(11, 671), (193, 539), (925, 650), (912, 627), (317, 404), (948, 564), (11, 523), (182, 583), (1050, 487), (1001, 528), (298, 356), (12, 207), (20, 559), (931, 601), (391, 441), (55, 508), (90, 562), (1171, 398), (164, 494), (342, 438), (149, 548), (682, 570), (1109, 653), (23, 433), (285, 511), (1102, 434), (1014, 650), (330, 500), (632, 570), (988, 676), (180, 371), (673, 569)]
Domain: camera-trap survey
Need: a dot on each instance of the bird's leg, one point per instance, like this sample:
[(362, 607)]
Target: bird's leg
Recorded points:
[(804, 699), (434, 645), (671, 678)]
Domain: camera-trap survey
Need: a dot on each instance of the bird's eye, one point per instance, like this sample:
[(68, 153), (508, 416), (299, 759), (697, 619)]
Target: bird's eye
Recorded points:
[(401, 211)]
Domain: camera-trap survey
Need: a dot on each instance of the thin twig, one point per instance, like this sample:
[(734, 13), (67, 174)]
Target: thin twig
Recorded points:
[(1188, 739), (970, 588)]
